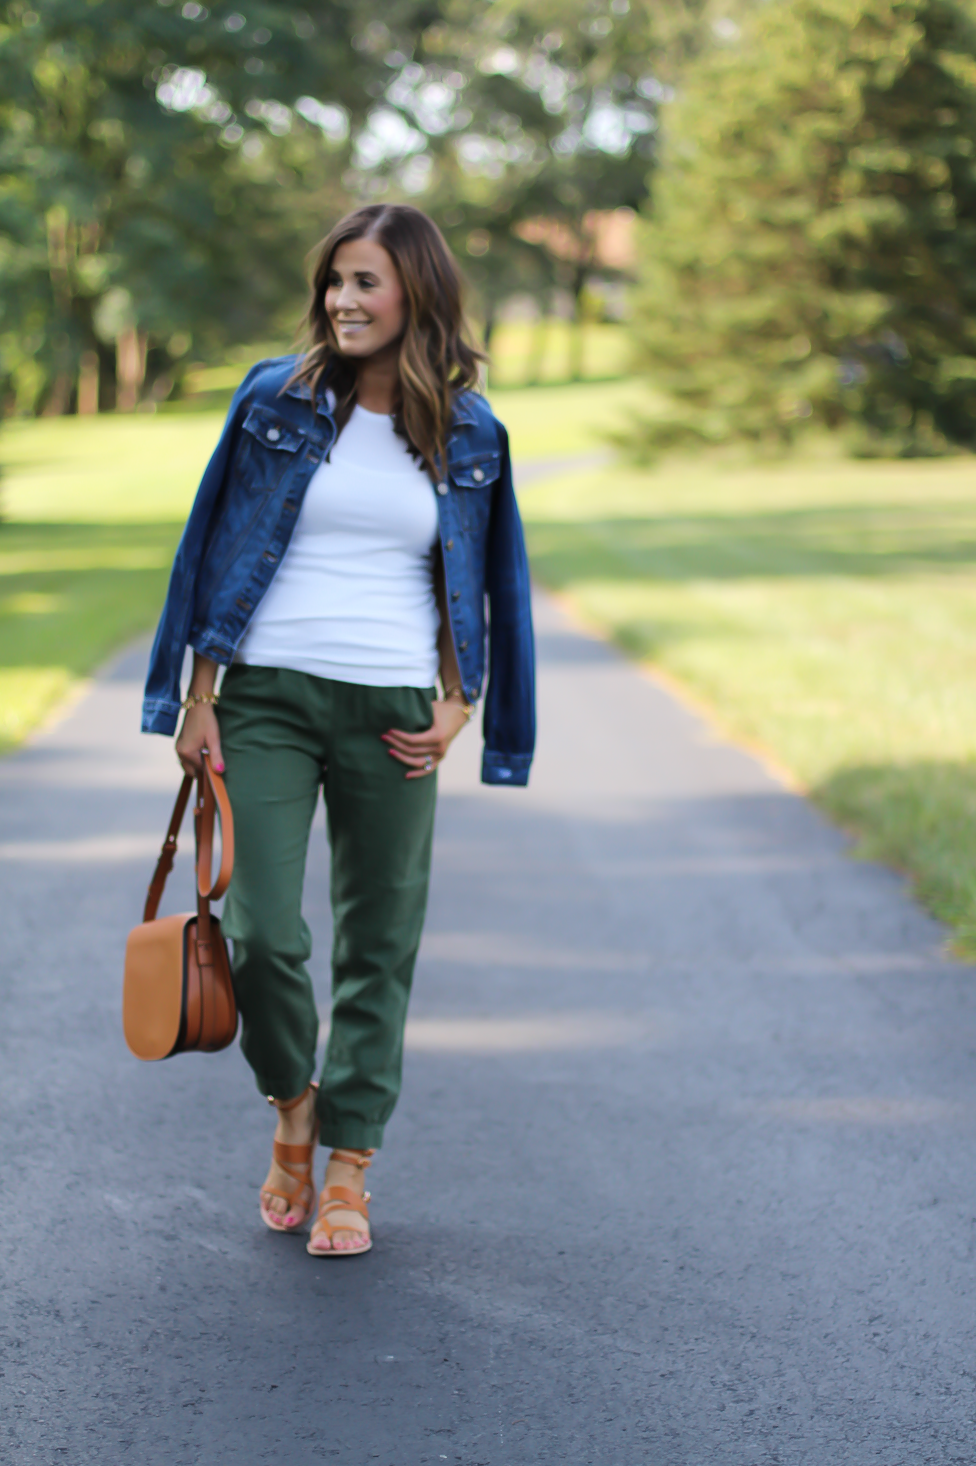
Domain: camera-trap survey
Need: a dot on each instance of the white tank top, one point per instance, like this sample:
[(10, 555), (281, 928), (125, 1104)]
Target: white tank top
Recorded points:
[(353, 598)]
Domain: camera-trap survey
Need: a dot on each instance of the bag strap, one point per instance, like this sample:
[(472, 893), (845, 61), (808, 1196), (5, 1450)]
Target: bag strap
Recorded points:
[(211, 798), (168, 853)]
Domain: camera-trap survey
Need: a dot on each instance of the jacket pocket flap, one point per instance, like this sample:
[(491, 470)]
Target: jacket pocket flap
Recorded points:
[(478, 471), (272, 430)]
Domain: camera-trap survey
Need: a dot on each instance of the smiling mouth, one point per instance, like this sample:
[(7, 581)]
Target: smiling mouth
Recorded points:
[(353, 325)]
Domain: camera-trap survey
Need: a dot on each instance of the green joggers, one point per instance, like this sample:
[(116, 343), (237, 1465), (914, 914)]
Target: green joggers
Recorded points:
[(286, 734)]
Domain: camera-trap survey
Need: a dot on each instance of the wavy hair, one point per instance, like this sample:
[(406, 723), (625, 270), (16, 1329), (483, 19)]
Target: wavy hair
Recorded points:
[(437, 356)]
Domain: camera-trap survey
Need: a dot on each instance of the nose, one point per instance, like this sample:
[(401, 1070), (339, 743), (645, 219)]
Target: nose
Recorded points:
[(348, 296)]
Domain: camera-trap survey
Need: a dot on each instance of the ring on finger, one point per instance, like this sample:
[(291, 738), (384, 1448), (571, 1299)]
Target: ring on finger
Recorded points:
[(428, 764)]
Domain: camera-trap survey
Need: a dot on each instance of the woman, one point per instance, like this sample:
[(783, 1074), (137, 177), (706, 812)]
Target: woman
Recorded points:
[(355, 518)]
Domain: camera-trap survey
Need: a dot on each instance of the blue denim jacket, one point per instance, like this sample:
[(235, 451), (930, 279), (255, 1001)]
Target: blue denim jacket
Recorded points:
[(244, 516)]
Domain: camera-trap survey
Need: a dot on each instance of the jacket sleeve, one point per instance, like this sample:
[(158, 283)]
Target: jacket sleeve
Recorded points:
[(509, 720), (161, 702)]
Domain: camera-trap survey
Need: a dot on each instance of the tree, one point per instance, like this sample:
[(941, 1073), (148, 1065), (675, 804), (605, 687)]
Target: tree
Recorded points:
[(526, 110), (162, 171), (811, 255)]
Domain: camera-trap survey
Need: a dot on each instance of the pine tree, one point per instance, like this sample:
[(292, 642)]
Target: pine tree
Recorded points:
[(811, 255)]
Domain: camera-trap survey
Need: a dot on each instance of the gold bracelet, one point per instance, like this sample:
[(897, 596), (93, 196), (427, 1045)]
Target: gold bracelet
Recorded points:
[(468, 709), (192, 698)]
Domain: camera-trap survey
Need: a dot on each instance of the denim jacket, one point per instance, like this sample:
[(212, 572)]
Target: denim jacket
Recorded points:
[(245, 513)]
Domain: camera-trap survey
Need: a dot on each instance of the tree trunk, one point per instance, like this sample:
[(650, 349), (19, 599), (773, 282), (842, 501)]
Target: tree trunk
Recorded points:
[(537, 350), (88, 384), (130, 355), (59, 401), (580, 278)]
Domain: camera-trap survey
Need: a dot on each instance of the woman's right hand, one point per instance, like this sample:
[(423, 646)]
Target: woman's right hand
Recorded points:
[(200, 731)]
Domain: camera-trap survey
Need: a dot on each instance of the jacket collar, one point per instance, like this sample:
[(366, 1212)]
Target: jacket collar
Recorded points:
[(462, 415), (325, 402)]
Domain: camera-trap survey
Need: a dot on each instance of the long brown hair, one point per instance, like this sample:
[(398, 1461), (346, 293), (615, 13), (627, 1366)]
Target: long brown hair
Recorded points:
[(437, 356)]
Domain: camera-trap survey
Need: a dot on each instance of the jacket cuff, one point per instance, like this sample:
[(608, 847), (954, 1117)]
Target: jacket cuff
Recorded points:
[(159, 716), (505, 768)]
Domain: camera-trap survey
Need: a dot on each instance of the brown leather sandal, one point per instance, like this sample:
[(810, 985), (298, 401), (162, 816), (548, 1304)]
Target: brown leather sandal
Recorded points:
[(296, 1161), (342, 1198)]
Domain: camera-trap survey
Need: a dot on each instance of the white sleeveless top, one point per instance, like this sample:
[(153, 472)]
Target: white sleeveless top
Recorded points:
[(353, 598)]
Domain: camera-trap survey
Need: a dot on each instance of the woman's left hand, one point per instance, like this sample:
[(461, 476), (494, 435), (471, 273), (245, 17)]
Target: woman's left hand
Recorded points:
[(422, 752)]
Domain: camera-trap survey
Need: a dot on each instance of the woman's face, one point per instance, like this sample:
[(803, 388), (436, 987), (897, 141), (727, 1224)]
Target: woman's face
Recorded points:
[(364, 299)]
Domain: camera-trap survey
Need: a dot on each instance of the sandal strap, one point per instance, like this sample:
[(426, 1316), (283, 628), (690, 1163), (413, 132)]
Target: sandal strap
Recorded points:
[(292, 1155), (342, 1197), (297, 1161), (361, 1158), (339, 1198), (322, 1224), (288, 1196)]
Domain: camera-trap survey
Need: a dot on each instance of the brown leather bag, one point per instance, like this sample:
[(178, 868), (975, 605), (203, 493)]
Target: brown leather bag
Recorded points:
[(177, 993)]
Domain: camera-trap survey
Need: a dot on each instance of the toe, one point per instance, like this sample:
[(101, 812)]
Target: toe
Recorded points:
[(348, 1241)]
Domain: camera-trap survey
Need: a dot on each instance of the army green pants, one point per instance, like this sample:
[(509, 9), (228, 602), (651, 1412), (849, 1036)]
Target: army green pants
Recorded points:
[(285, 735)]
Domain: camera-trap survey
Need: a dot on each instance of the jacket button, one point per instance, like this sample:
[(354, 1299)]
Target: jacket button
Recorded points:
[(462, 646), (442, 488), (478, 475), (273, 435), (449, 545), (455, 595)]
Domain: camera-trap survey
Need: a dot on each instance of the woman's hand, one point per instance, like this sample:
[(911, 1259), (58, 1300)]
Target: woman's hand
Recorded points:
[(422, 752), (200, 731)]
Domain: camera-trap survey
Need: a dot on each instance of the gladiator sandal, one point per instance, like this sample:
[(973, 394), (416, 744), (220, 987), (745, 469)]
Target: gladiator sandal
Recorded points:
[(342, 1199), (296, 1161)]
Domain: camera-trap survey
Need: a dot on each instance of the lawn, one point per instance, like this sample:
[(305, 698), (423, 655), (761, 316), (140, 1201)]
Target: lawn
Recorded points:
[(92, 510), (824, 612)]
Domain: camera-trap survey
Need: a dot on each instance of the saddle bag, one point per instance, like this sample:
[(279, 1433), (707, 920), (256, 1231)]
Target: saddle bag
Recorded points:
[(177, 993)]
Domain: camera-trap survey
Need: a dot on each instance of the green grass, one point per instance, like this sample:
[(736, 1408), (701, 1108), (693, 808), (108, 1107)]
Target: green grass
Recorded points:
[(69, 594), (826, 613), (556, 422), (542, 351), (92, 514), (92, 510)]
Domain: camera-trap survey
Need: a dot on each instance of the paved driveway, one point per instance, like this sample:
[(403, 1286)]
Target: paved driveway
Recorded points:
[(682, 1174)]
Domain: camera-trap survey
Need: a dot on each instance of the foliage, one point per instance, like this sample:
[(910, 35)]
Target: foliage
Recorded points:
[(811, 256), (165, 167), (153, 165), (539, 109)]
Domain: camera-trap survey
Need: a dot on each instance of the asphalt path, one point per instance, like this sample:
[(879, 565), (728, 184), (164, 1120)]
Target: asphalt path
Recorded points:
[(682, 1173)]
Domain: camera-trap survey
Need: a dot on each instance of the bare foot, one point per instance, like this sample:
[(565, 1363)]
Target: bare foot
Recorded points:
[(296, 1126), (351, 1229)]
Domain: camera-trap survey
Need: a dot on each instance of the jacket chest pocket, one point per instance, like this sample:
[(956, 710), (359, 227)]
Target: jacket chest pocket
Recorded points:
[(267, 447), (475, 480)]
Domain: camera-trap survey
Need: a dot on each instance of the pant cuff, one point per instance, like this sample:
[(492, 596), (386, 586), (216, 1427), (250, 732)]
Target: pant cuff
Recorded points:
[(283, 1088), (351, 1134)]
